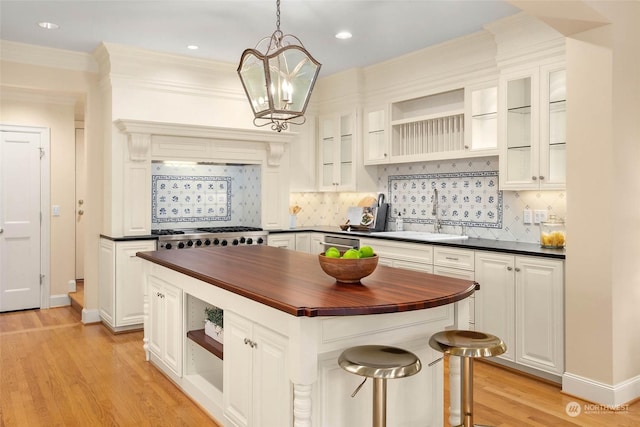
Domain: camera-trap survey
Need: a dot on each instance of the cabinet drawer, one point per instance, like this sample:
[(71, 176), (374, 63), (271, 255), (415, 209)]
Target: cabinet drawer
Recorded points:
[(411, 252), (456, 258)]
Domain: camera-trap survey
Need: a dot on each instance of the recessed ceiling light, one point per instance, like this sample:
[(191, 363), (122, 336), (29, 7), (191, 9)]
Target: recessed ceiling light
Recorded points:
[(48, 25), (343, 35), (192, 47)]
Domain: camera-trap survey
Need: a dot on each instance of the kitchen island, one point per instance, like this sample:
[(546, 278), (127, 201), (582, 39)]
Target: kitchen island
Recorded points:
[(285, 324)]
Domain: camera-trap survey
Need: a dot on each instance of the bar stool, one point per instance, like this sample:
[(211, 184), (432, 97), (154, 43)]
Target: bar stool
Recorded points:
[(467, 345), (380, 363)]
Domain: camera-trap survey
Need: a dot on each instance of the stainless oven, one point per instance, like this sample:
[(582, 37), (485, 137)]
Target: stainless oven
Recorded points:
[(340, 243)]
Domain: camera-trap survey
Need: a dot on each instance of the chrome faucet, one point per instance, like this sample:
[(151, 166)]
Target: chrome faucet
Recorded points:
[(437, 226)]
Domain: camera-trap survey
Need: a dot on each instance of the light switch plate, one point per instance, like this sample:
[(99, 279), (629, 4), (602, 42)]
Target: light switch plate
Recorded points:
[(527, 217), (56, 210), (539, 215)]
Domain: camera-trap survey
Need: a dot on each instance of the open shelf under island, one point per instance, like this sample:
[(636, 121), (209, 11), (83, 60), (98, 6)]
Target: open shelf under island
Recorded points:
[(286, 322)]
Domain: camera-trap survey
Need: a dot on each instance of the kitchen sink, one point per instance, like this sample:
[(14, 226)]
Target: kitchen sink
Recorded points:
[(420, 235)]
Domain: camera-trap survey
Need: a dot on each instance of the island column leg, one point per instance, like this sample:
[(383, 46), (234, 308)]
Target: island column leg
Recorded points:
[(302, 405)]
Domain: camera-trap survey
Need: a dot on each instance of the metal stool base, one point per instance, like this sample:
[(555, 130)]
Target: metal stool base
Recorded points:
[(467, 345)]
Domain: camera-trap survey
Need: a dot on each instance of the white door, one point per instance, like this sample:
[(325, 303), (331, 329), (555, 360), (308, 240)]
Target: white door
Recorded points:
[(20, 218), (80, 208)]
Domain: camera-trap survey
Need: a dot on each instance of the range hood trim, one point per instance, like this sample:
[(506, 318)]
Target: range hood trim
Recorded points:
[(139, 134)]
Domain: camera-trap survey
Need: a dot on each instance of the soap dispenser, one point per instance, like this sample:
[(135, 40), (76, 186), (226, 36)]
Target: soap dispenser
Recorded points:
[(399, 224)]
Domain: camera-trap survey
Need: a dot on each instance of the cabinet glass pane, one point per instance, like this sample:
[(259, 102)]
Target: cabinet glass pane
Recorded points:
[(327, 175), (345, 174), (519, 129), (346, 145), (484, 118), (557, 162), (327, 151), (519, 164), (557, 125), (374, 144)]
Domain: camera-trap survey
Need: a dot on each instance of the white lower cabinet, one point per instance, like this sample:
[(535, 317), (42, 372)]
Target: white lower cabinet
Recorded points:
[(121, 289), (165, 325), (409, 256), (303, 242), (540, 314), (282, 240), (521, 300), (256, 390)]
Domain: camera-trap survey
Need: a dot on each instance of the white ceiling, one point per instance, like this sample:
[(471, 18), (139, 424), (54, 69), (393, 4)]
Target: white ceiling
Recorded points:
[(224, 28)]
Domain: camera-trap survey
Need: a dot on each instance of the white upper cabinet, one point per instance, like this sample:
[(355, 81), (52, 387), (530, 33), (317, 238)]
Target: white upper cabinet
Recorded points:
[(375, 140), (340, 166), (428, 128), (532, 128), (481, 118), (337, 151), (454, 124)]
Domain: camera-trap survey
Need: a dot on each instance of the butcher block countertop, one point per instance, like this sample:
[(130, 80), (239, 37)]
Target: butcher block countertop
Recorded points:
[(293, 282)]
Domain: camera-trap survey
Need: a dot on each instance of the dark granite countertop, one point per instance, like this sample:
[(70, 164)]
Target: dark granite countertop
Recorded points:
[(517, 248)]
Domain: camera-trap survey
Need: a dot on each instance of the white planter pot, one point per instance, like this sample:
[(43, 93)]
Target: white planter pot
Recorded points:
[(214, 331)]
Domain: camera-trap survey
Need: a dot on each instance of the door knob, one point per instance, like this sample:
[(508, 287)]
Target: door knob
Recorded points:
[(80, 212), (80, 202)]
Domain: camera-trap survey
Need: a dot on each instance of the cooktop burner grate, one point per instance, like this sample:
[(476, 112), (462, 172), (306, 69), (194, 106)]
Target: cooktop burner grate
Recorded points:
[(229, 229), (166, 232)]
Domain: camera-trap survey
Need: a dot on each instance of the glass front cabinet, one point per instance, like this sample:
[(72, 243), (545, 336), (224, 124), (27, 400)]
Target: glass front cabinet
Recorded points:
[(533, 128), (337, 152)]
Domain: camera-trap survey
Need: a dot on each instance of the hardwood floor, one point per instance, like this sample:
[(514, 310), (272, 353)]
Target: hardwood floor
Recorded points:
[(56, 371)]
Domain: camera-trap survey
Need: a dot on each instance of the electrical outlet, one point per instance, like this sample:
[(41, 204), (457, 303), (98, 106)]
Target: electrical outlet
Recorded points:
[(527, 217), (539, 215)]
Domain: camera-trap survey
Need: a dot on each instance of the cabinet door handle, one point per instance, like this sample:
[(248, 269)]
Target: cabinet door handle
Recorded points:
[(534, 178), (509, 268), (450, 258), (517, 269), (541, 177)]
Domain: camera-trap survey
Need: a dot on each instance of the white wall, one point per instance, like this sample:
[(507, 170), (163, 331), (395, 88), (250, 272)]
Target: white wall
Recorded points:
[(55, 112), (603, 187)]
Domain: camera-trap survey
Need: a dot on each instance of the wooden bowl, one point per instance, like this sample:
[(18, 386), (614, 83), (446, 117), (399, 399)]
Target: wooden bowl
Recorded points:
[(348, 270)]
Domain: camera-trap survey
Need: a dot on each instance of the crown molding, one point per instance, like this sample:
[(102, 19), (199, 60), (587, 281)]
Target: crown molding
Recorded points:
[(47, 57)]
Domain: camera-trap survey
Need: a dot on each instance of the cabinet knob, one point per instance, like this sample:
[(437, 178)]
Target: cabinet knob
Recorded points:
[(385, 154), (466, 147), (517, 269), (509, 268), (541, 177), (534, 178)]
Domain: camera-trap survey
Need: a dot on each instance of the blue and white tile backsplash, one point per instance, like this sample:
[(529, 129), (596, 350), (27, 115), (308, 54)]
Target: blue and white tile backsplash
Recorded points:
[(471, 199), (205, 195), (499, 218)]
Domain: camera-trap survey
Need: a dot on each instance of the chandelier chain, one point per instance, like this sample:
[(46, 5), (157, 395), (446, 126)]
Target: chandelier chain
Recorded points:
[(278, 15)]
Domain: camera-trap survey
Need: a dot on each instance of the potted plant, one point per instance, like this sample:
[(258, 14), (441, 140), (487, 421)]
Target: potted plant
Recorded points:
[(214, 323)]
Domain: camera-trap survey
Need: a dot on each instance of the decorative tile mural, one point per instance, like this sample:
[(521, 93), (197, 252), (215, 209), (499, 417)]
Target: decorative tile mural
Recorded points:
[(190, 198), (205, 195), (471, 199)]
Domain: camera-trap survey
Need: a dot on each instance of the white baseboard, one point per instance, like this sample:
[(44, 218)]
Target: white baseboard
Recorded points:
[(59, 300), (90, 316), (597, 392)]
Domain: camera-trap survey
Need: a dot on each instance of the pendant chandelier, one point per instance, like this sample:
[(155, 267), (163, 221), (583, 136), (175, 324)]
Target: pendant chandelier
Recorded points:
[(279, 81)]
